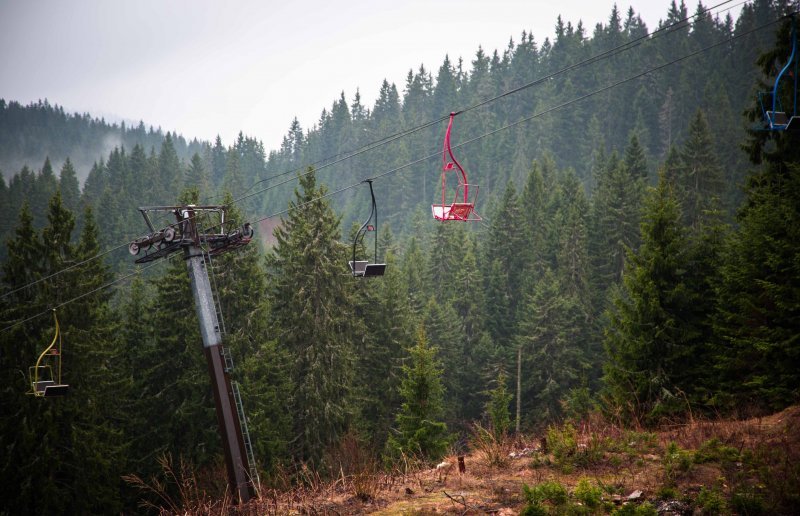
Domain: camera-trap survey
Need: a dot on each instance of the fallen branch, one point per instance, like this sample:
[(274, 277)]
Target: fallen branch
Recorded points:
[(464, 503)]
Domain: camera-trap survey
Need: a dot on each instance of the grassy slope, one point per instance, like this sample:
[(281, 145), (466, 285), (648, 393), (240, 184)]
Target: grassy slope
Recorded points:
[(711, 467)]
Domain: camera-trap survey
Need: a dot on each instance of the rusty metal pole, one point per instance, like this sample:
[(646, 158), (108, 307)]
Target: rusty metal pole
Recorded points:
[(229, 427)]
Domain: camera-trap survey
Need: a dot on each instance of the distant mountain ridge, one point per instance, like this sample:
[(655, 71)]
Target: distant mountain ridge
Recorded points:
[(30, 133)]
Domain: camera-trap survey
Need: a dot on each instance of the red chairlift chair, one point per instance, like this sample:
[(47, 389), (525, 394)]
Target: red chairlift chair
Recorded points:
[(463, 206)]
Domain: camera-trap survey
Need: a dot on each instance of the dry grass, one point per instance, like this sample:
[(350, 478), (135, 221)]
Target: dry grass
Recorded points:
[(685, 461)]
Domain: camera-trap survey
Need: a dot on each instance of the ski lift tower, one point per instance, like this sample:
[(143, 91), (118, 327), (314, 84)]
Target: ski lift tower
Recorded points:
[(198, 246)]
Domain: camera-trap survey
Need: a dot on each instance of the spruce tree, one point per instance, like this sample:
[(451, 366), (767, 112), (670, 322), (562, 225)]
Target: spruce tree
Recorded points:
[(64, 455), (68, 185), (311, 316), (420, 432), (387, 317), (758, 320), (615, 215), (497, 407), (549, 340), (699, 182), (260, 365), (654, 334)]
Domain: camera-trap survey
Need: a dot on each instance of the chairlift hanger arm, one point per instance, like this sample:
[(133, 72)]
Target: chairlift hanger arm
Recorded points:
[(362, 231), (784, 70), (462, 208), (56, 337), (447, 150), (364, 268)]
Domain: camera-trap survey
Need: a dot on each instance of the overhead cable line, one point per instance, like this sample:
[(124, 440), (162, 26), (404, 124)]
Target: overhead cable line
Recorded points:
[(529, 118), (74, 265), (388, 139), (81, 296), (436, 154), (340, 157)]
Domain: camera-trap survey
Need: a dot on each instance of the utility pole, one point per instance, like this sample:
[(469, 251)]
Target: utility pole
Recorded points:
[(185, 235)]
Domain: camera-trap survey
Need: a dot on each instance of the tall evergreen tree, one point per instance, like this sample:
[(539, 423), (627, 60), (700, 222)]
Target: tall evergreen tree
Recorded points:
[(652, 336), (549, 339), (420, 431), (311, 315), (759, 299), (63, 455), (699, 177), (615, 217), (68, 185)]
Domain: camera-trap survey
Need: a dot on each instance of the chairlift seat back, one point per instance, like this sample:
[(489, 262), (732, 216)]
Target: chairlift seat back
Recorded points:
[(374, 269), (40, 386), (778, 118), (358, 267), (365, 269)]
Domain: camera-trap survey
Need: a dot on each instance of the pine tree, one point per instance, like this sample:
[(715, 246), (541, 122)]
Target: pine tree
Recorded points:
[(98, 381), (699, 182), (311, 316), (261, 366), (445, 333), (759, 301), (44, 186), (497, 408), (652, 334), (65, 455), (504, 257), (169, 180), (420, 433), (68, 185), (197, 177), (635, 160), (549, 341), (614, 224), (387, 318), (170, 378)]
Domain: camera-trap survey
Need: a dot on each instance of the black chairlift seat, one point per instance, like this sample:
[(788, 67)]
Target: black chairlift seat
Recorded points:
[(364, 269), (49, 388)]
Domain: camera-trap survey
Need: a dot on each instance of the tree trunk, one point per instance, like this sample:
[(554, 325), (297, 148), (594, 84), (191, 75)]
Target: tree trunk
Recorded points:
[(519, 387)]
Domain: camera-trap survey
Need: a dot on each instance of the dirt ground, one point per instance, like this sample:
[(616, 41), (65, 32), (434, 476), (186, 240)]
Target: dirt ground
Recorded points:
[(630, 466)]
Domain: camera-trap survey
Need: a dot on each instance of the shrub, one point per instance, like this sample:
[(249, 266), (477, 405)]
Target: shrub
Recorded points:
[(645, 509), (567, 454), (494, 448), (747, 502), (711, 501), (714, 451), (676, 462), (589, 495), (542, 496)]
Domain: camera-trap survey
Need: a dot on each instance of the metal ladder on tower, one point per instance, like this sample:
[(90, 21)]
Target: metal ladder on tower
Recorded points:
[(228, 361), (215, 291), (248, 445)]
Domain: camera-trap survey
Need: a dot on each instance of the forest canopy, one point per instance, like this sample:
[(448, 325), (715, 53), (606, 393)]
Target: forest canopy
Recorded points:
[(637, 256)]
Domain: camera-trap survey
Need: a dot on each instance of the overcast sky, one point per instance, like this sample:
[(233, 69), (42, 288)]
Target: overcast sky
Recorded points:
[(203, 68)]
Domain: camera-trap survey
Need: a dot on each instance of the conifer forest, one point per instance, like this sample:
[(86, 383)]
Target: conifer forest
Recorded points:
[(634, 253)]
